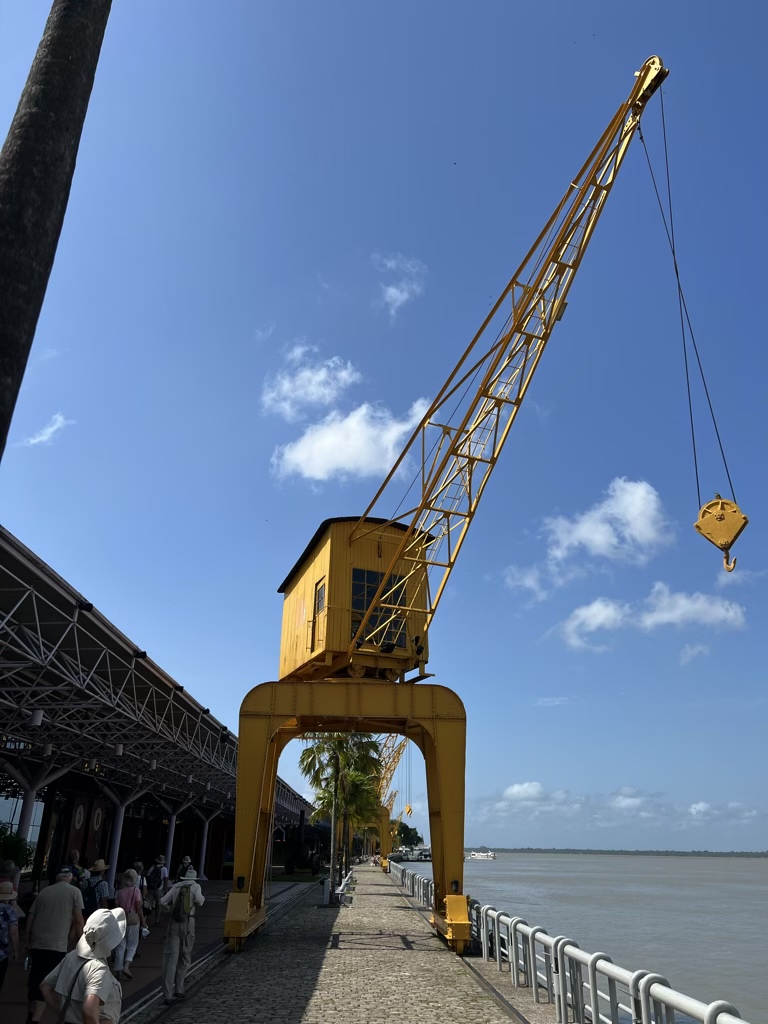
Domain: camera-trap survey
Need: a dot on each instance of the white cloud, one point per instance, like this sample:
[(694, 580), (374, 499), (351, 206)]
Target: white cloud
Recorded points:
[(47, 354), (739, 578), (552, 702), (524, 791), (264, 331), (363, 443), (629, 525), (691, 651), (530, 579), (601, 614), (44, 436), (662, 607), (732, 813), (409, 275), (627, 803), (297, 353), (306, 382), (528, 801), (699, 808)]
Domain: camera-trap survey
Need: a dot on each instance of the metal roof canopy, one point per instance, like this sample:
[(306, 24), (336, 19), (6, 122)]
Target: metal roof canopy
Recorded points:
[(76, 692)]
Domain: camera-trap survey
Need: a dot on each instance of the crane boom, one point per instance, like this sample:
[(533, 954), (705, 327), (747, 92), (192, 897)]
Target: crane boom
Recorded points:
[(391, 749), (460, 437)]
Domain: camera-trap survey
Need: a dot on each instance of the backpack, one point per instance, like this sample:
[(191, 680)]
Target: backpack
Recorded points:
[(182, 904), (154, 878), (90, 895)]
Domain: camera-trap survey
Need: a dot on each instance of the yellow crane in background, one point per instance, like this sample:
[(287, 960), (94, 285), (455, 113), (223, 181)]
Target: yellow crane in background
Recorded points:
[(359, 601), (391, 751)]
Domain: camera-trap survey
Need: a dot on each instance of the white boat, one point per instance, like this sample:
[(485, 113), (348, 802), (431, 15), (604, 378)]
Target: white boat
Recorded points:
[(490, 855)]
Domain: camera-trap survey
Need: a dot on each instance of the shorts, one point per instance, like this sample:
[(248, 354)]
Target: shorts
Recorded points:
[(43, 962)]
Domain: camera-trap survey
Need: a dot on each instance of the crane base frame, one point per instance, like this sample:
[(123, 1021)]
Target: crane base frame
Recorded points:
[(274, 713)]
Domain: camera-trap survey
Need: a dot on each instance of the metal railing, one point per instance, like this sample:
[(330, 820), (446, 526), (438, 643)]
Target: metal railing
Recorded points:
[(586, 988)]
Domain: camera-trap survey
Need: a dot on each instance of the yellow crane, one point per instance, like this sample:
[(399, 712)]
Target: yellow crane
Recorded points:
[(398, 565), (359, 601)]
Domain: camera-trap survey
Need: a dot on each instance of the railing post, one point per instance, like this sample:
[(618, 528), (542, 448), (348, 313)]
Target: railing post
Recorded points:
[(553, 982), (484, 937), (634, 995), (497, 939), (532, 958), (645, 996), (594, 996), (715, 1009), (515, 952), (559, 956)]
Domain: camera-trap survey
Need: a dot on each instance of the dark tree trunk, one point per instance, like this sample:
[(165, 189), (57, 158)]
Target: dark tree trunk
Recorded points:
[(37, 163)]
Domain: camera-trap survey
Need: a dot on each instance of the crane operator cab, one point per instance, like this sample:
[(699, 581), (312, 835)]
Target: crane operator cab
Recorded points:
[(353, 607)]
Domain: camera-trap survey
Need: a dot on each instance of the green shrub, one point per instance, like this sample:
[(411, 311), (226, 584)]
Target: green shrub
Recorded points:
[(13, 847)]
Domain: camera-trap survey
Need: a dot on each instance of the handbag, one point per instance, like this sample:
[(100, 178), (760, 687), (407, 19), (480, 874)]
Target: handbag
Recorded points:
[(131, 916)]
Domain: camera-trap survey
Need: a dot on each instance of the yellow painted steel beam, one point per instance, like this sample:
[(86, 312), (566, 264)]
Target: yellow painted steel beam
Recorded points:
[(274, 713)]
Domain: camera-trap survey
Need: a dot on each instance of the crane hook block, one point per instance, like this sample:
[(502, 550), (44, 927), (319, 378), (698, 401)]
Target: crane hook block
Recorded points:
[(721, 522)]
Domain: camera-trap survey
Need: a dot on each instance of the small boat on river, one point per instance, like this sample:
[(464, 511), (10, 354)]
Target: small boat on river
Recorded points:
[(488, 855)]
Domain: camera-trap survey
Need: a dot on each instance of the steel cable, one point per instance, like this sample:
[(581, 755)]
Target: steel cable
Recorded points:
[(685, 318)]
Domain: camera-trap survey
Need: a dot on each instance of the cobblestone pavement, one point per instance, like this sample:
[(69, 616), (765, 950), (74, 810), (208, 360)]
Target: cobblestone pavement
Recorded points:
[(368, 963)]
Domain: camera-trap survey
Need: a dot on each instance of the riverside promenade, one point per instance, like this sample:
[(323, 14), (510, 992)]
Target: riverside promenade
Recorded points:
[(373, 961)]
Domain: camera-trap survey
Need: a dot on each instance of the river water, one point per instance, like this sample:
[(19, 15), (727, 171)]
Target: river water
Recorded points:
[(702, 922)]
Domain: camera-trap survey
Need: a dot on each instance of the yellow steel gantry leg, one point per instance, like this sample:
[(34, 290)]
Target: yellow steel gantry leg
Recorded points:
[(274, 713), (385, 837)]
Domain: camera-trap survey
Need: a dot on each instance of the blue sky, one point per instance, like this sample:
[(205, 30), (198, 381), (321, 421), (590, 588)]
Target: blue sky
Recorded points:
[(286, 224)]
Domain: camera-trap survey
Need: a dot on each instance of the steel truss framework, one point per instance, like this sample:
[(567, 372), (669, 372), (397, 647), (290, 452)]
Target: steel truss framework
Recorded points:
[(459, 440), (77, 693)]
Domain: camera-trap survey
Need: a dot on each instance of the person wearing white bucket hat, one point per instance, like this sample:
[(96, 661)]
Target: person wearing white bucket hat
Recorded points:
[(82, 989)]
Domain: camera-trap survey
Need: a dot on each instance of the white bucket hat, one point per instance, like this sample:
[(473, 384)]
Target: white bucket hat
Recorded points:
[(103, 930)]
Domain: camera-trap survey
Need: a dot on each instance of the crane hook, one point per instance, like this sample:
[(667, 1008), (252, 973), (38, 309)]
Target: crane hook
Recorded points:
[(721, 522)]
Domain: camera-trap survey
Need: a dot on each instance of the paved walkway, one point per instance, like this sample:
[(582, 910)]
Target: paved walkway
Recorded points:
[(146, 969), (375, 961)]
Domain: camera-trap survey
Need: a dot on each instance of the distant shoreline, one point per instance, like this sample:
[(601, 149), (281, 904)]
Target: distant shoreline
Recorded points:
[(625, 853)]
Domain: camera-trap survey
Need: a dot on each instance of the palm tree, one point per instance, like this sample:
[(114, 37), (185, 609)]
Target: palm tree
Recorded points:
[(340, 767), (37, 163), (361, 806)]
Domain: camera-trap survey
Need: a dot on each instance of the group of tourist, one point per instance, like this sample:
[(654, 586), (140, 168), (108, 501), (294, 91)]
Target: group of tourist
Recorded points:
[(78, 909)]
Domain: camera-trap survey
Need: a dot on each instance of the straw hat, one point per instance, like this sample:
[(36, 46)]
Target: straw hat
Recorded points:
[(7, 895), (103, 930), (99, 866), (189, 875)]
